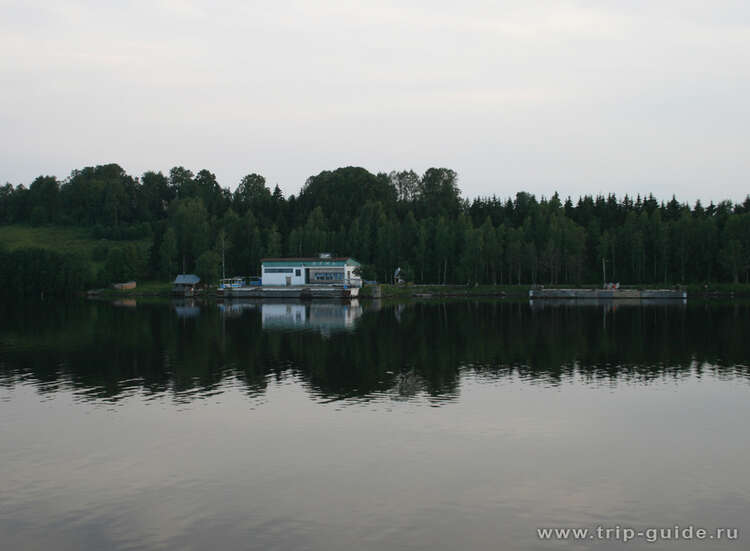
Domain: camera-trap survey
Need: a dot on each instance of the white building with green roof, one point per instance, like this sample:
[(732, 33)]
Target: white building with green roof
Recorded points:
[(321, 270)]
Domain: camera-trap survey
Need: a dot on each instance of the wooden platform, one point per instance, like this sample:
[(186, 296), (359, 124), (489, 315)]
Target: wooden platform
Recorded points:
[(306, 292), (627, 294)]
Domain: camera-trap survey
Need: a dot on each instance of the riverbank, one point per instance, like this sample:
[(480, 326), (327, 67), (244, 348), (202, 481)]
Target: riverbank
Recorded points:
[(721, 291), (427, 291), (142, 289), (164, 289), (158, 288)]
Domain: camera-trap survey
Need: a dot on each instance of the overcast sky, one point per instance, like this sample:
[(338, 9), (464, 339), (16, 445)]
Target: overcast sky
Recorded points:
[(579, 97)]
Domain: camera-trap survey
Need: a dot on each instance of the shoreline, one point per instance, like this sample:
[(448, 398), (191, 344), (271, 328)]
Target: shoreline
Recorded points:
[(370, 292)]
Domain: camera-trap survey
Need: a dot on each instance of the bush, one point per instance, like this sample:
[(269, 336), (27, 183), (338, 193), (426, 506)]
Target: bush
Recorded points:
[(29, 272), (125, 263), (207, 267), (367, 272)]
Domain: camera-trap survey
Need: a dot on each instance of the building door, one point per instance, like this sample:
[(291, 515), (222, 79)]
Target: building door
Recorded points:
[(288, 280)]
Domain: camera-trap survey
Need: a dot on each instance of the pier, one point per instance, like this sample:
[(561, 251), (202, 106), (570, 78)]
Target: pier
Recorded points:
[(626, 294), (295, 292)]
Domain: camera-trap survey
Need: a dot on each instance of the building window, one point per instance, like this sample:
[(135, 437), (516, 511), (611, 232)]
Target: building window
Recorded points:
[(297, 273), (278, 270), (328, 276)]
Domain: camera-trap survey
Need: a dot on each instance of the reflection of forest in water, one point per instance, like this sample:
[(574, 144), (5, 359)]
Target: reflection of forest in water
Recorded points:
[(106, 350)]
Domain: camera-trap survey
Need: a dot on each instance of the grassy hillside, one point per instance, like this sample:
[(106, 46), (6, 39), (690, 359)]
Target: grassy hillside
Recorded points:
[(58, 238), (62, 239)]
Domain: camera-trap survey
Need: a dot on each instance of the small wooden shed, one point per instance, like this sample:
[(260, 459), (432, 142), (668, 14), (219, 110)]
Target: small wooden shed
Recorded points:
[(184, 284)]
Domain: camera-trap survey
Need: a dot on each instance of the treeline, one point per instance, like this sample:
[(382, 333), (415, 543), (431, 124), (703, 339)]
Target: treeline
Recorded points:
[(35, 272), (417, 222)]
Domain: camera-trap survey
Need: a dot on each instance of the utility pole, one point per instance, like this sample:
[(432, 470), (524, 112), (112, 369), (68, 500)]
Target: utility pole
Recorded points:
[(604, 272)]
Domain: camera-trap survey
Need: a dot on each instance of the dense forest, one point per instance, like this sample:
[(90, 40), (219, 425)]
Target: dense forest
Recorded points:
[(420, 223)]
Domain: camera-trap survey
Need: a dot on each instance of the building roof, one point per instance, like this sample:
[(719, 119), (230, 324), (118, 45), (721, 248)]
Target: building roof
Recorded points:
[(310, 261), (187, 279)]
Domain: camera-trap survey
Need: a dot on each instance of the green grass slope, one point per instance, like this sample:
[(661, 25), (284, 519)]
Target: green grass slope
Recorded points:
[(62, 239), (58, 238)]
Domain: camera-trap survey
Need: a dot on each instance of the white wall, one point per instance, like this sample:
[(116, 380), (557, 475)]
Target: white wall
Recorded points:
[(277, 279), (351, 279), (280, 279)]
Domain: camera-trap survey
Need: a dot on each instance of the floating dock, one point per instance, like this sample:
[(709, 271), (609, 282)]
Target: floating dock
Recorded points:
[(294, 292), (628, 294)]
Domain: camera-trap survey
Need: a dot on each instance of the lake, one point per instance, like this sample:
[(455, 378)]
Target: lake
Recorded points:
[(419, 425)]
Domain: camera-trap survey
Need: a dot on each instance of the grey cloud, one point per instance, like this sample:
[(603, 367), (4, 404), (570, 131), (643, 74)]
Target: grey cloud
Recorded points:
[(579, 97)]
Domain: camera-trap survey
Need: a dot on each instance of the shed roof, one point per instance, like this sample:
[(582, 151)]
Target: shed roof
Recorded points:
[(186, 279), (310, 261)]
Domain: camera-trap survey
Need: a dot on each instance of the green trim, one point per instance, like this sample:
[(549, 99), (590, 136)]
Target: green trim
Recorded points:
[(309, 263)]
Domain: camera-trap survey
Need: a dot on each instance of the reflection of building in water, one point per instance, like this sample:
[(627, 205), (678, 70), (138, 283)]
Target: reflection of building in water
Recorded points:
[(283, 316), (186, 308), (235, 308), (326, 317)]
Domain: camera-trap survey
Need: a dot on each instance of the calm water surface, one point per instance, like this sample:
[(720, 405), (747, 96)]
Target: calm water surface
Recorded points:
[(434, 425)]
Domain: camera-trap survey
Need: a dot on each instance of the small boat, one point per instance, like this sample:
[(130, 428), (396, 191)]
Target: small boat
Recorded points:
[(230, 283)]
